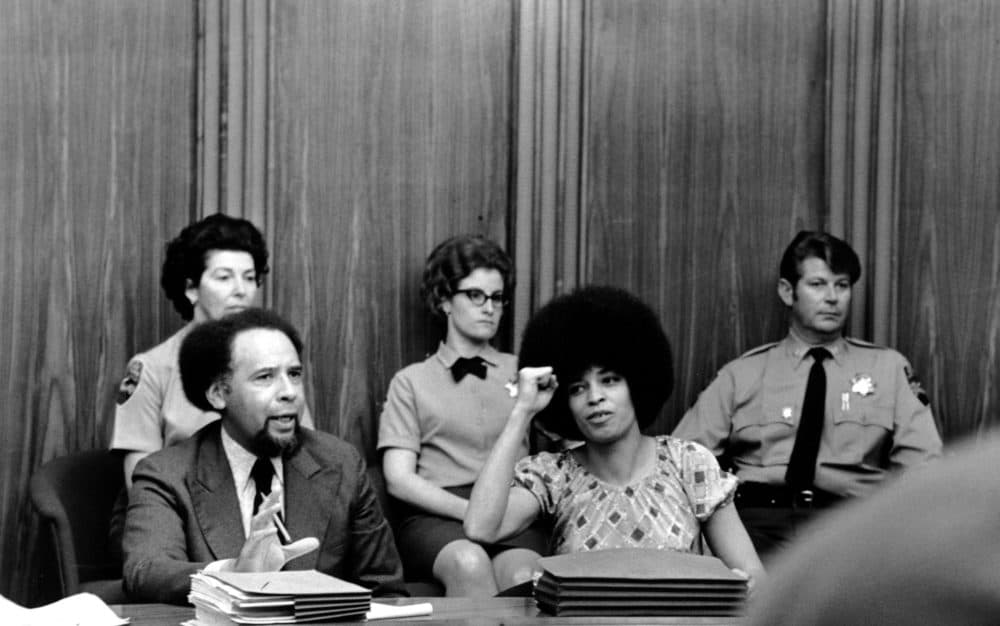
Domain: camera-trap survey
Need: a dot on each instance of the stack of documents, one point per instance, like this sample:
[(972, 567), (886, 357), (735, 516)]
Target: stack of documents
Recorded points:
[(633, 581), (81, 609), (288, 597)]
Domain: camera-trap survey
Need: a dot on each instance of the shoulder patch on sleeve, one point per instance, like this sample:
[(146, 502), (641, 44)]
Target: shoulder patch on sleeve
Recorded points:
[(916, 386), (759, 349), (130, 382)]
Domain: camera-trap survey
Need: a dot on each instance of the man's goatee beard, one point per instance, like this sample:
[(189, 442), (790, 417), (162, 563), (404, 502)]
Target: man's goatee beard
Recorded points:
[(266, 445)]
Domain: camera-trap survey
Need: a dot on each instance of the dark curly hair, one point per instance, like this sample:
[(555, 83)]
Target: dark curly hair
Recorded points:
[(206, 353), (186, 253), (839, 256), (455, 258), (604, 327)]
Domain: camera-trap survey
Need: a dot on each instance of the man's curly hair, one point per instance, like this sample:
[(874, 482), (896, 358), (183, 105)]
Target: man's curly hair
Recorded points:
[(604, 327), (206, 353), (186, 254)]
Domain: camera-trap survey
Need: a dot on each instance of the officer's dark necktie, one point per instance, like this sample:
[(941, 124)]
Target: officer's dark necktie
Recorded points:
[(802, 464), (474, 365)]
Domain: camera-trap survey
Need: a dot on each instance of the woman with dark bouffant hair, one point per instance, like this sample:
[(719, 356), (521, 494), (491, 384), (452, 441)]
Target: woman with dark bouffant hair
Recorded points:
[(440, 419), (597, 368), (213, 267)]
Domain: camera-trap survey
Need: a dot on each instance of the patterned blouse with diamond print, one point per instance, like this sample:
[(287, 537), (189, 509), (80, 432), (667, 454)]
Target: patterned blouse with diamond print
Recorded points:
[(662, 510)]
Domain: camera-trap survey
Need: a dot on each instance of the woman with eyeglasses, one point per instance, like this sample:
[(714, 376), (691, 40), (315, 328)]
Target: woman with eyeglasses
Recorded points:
[(440, 420), (597, 369)]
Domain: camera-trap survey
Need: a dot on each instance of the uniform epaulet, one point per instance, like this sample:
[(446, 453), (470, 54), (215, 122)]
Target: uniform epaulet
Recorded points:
[(863, 344), (759, 349)]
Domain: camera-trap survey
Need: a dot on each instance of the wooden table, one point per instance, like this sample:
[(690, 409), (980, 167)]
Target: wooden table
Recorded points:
[(469, 611)]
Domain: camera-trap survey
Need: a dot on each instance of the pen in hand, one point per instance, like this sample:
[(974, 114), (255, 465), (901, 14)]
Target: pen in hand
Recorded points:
[(268, 546), (283, 535)]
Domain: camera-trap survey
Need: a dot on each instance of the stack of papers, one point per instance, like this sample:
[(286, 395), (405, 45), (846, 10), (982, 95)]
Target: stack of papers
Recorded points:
[(81, 609), (634, 581), (287, 597)]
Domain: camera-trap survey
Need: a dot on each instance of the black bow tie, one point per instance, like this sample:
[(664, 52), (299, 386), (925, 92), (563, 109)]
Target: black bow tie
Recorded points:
[(462, 366)]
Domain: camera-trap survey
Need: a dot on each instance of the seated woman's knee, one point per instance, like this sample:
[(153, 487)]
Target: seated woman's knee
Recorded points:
[(514, 567), (464, 558), (517, 575)]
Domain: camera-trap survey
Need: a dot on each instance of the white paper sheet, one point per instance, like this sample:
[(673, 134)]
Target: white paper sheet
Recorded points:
[(82, 609)]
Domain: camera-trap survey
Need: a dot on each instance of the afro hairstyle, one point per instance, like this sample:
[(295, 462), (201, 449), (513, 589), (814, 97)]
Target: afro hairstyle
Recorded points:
[(206, 353), (604, 327)]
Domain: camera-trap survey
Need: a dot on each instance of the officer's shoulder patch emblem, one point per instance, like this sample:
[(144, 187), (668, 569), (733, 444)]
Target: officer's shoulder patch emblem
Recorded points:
[(130, 382), (916, 386)]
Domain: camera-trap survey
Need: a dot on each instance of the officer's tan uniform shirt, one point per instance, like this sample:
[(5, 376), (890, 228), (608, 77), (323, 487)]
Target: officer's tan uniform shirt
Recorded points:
[(875, 422)]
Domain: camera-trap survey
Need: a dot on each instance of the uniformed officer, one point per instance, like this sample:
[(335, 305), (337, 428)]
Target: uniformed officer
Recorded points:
[(869, 415), (212, 268)]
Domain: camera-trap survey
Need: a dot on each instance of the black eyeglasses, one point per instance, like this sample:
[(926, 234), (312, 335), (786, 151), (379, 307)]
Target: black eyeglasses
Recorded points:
[(479, 297)]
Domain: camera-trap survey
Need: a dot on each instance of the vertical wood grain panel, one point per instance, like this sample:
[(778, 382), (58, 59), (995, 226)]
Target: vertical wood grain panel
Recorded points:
[(255, 168), (949, 227), (390, 130), (208, 106), (849, 137), (885, 196), (862, 151), (703, 143), (95, 169), (235, 81), (547, 174)]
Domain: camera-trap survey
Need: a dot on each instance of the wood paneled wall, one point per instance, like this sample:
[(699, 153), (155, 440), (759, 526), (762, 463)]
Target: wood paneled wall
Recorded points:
[(948, 315), (97, 139), (703, 152), (670, 147), (391, 131)]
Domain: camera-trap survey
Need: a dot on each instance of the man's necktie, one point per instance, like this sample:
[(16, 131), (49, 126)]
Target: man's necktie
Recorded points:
[(462, 366), (262, 474), (802, 464)]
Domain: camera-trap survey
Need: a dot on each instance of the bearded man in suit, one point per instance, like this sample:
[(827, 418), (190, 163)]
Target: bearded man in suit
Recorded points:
[(218, 500)]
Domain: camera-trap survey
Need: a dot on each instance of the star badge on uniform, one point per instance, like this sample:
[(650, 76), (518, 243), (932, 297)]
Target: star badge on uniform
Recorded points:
[(863, 385)]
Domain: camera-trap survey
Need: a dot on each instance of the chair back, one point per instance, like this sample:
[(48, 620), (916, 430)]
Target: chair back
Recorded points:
[(417, 588), (74, 496)]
